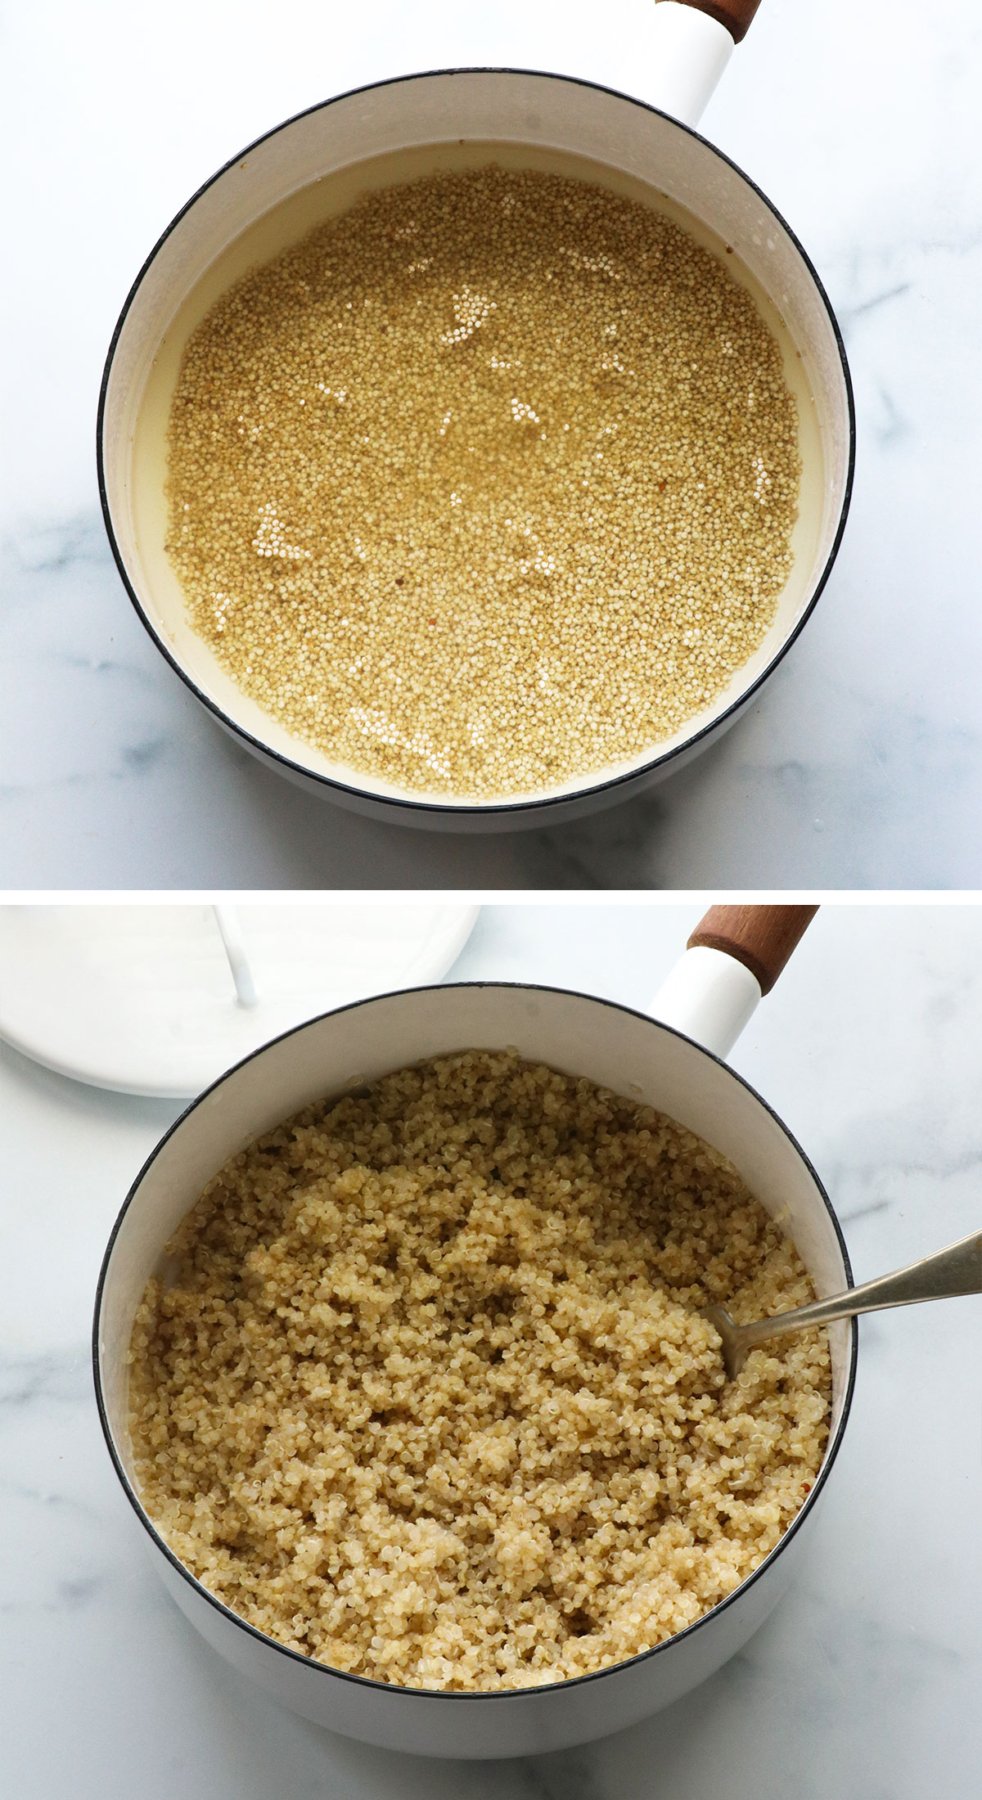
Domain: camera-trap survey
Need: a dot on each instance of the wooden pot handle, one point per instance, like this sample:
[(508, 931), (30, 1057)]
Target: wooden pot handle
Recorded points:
[(736, 15), (760, 937)]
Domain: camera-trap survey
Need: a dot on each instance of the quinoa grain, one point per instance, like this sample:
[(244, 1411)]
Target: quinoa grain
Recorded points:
[(486, 484), (428, 1395)]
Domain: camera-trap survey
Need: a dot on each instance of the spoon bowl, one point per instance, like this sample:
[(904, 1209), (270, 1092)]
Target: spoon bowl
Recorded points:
[(955, 1270)]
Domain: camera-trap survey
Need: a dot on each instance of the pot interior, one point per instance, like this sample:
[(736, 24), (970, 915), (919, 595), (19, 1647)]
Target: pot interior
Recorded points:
[(624, 1051), (317, 164)]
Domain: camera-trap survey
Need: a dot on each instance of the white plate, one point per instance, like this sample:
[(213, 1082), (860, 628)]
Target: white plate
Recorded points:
[(142, 999)]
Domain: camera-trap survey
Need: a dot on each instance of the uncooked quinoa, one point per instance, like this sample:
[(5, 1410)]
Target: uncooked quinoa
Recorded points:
[(427, 1394), (485, 485)]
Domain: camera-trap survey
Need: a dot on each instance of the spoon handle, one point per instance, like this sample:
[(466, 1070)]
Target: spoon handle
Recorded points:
[(955, 1270), (227, 920)]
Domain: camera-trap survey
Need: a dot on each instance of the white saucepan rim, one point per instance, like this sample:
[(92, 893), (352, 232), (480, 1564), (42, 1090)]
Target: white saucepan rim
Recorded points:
[(443, 1694), (471, 809)]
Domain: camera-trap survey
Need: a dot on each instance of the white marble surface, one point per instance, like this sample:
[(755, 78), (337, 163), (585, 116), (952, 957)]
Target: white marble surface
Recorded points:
[(865, 1683), (862, 763)]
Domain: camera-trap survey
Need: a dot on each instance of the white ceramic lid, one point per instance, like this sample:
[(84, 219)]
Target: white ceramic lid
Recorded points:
[(162, 999)]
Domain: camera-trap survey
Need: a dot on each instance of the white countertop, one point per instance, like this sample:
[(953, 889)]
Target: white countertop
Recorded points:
[(865, 1683), (861, 765)]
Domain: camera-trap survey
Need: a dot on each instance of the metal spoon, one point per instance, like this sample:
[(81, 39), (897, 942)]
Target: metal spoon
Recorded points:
[(956, 1270)]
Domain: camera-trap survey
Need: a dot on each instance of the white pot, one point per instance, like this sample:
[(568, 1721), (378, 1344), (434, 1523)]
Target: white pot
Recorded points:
[(634, 1055), (551, 118)]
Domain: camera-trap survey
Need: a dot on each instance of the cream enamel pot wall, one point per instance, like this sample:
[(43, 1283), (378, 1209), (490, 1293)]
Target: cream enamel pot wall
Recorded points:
[(710, 996), (544, 120)]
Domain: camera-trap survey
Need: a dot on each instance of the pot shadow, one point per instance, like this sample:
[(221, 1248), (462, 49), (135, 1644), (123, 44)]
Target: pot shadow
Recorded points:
[(310, 841), (268, 1749)]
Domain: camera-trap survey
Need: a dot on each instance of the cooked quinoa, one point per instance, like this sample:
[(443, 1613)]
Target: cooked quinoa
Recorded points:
[(427, 1394), (486, 484)]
